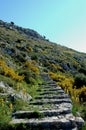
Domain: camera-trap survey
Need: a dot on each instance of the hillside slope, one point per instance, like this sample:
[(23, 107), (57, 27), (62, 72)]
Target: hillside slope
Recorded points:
[(21, 44), (24, 56)]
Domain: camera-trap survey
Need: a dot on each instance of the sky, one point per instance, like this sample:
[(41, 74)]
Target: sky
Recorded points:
[(61, 21)]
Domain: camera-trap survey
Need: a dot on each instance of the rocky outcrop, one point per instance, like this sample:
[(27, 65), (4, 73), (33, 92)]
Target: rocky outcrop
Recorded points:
[(12, 94), (51, 110), (28, 32)]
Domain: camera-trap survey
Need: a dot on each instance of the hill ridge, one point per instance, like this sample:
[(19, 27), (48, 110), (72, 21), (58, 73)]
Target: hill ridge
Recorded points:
[(28, 32)]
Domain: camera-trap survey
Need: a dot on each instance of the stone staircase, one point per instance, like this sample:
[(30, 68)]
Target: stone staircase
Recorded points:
[(50, 110)]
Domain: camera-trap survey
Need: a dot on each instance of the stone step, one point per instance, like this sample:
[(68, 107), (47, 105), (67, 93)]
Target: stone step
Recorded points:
[(50, 106), (53, 85), (51, 110), (50, 86), (64, 105), (45, 77), (52, 89), (50, 101), (65, 122), (49, 90), (53, 97), (49, 82), (43, 113), (52, 92)]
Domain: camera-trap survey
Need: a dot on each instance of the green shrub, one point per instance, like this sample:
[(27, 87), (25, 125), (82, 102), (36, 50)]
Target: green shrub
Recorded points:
[(8, 80), (5, 115), (82, 70), (80, 80)]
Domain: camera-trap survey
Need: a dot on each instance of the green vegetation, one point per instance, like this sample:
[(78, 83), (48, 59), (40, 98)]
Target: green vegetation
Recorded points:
[(80, 80), (5, 114), (24, 56), (79, 109)]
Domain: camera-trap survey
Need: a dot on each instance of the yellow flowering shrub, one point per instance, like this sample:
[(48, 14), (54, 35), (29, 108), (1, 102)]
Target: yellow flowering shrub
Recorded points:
[(30, 49), (7, 71), (53, 76), (57, 67), (31, 65), (67, 83), (11, 106), (82, 94)]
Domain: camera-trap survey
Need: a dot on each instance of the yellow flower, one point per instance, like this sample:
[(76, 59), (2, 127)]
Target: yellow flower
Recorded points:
[(11, 106), (2, 102), (24, 91)]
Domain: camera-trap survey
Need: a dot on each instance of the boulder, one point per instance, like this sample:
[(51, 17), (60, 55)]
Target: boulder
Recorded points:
[(13, 94)]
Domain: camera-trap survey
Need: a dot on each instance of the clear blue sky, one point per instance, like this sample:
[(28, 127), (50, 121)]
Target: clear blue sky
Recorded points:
[(61, 21)]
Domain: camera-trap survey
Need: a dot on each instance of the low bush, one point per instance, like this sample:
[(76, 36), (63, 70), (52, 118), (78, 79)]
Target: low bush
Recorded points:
[(80, 80), (5, 115)]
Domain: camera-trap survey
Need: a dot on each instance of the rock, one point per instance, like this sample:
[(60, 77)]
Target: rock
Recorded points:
[(25, 97), (79, 121), (6, 88), (2, 84), (13, 94), (19, 95)]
